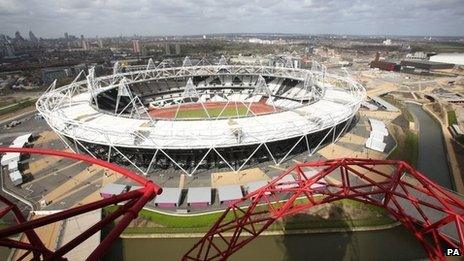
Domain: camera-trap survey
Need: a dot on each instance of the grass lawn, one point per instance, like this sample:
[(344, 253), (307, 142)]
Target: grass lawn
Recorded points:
[(17, 106), (230, 111), (407, 115), (407, 150), (163, 223), (452, 118)]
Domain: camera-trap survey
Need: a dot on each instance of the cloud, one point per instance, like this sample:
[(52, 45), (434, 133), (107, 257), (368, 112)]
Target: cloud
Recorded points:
[(51, 18)]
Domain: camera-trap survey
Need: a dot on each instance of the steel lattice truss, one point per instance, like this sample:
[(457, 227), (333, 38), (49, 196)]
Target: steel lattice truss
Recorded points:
[(434, 215), (76, 132), (131, 203)]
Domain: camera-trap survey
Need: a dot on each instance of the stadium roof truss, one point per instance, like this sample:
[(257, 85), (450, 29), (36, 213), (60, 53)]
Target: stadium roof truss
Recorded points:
[(55, 103)]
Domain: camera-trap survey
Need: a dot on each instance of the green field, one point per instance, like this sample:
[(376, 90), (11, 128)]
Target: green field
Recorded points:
[(17, 106), (408, 150), (452, 118), (230, 111), (165, 223)]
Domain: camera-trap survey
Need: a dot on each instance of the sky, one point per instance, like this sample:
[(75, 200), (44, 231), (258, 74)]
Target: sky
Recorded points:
[(52, 18)]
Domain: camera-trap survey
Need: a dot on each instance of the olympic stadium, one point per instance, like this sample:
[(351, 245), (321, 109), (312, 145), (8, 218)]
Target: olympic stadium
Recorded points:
[(193, 117)]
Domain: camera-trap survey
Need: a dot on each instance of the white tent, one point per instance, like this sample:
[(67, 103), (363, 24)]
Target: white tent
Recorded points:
[(13, 166), (16, 178), (10, 157), (375, 144)]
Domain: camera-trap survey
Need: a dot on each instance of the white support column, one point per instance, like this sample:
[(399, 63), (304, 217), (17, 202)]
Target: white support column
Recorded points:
[(288, 153), (199, 163), (253, 153), (307, 144), (219, 154), (319, 144), (270, 153), (90, 153), (65, 142), (175, 163), (151, 162)]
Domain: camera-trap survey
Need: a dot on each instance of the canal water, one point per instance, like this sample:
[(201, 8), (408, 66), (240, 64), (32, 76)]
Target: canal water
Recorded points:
[(432, 156), (390, 244)]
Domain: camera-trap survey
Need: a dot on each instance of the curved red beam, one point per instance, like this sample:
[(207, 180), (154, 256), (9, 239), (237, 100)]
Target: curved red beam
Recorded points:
[(434, 215), (81, 157), (134, 202)]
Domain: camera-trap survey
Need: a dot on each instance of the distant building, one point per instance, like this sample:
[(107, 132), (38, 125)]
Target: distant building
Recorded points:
[(311, 49), (452, 58), (32, 37), (100, 43), (18, 36), (416, 55), (177, 49), (168, 49), (66, 36), (387, 42), (136, 46), (50, 74), (384, 65), (424, 65), (85, 45), (9, 50)]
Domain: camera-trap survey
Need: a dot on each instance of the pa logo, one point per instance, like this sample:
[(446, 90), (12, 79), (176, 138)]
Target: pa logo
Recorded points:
[(452, 252)]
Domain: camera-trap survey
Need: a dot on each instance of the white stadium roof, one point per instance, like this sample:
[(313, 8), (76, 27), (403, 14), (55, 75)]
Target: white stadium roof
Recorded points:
[(93, 126), (70, 112)]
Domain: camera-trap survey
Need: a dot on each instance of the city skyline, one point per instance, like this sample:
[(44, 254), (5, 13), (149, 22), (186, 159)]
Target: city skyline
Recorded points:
[(51, 19)]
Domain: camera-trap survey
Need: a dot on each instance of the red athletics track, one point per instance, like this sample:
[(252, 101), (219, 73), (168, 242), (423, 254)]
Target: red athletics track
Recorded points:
[(169, 112)]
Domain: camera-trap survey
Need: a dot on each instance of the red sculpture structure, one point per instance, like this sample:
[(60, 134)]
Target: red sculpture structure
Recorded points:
[(135, 200), (434, 215)]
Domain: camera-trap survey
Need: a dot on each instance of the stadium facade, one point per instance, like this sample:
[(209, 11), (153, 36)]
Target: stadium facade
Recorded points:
[(193, 117)]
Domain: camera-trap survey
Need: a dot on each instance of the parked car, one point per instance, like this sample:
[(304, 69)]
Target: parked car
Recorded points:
[(12, 124)]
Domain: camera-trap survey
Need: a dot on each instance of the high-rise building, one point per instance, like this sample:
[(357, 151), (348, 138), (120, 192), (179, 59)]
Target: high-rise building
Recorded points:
[(66, 36), (18, 36), (32, 37), (177, 49), (85, 45), (9, 50), (100, 43), (3, 39), (136, 46), (168, 49)]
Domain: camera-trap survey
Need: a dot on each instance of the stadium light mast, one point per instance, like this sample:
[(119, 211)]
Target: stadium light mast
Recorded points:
[(222, 61), (151, 64), (308, 86), (189, 92), (117, 68), (288, 62), (186, 62), (122, 92), (137, 105), (91, 85), (261, 88)]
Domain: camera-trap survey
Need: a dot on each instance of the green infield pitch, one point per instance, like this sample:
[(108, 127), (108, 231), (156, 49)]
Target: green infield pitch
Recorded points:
[(230, 111)]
